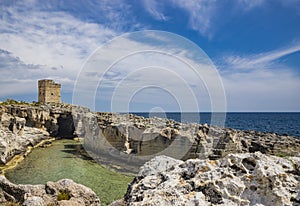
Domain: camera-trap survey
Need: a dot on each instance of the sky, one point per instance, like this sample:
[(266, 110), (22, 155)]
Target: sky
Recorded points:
[(253, 47)]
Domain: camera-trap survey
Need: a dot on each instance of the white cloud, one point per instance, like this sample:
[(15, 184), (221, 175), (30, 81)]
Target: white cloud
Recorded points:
[(250, 4), (259, 82), (207, 16), (204, 15), (147, 59), (262, 91), (201, 14), (39, 40), (259, 61), (155, 8), (54, 43)]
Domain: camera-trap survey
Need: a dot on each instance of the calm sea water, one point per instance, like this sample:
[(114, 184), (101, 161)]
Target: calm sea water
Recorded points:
[(281, 123)]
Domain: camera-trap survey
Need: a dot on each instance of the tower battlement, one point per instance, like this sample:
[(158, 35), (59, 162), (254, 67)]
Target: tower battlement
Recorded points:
[(49, 91)]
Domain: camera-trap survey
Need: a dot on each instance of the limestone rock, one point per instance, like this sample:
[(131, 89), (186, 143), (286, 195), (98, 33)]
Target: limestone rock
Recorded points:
[(237, 179), (57, 120), (24, 126), (34, 201), (119, 137), (204, 141), (120, 202), (157, 165), (12, 143), (40, 195), (131, 139), (78, 193)]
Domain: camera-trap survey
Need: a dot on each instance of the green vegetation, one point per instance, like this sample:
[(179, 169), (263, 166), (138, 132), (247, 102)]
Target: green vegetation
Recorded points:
[(282, 154), (33, 103), (63, 195), (15, 102)]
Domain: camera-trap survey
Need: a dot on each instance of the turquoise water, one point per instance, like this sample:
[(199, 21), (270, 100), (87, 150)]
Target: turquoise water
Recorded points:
[(66, 159)]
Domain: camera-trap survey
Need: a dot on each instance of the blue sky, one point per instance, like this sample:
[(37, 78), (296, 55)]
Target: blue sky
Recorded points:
[(254, 45)]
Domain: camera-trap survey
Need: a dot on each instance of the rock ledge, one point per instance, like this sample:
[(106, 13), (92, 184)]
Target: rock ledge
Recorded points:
[(237, 179)]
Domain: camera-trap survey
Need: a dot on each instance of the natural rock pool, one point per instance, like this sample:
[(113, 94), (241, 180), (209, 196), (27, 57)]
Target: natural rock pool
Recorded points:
[(65, 159)]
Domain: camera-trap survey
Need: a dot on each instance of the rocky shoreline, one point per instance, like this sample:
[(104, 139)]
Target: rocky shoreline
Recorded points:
[(246, 157), (26, 126), (63, 192), (237, 179), (133, 140)]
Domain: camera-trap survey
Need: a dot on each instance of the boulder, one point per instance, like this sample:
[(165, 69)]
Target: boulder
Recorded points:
[(63, 192), (237, 179), (157, 165), (74, 192)]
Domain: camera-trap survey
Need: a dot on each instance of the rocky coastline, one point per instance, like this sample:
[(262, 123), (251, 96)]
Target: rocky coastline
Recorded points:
[(237, 179), (24, 126), (236, 167), (63, 193)]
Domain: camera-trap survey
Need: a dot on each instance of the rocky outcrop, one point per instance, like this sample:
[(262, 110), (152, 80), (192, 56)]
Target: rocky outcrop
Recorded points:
[(55, 119), (65, 192), (130, 140), (231, 167), (237, 179), (25, 126), (15, 137), (145, 136), (133, 140)]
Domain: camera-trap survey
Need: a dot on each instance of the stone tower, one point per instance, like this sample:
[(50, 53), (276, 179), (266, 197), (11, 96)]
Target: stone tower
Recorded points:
[(49, 91)]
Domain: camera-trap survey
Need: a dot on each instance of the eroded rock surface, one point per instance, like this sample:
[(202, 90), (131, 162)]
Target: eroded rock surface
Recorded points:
[(24, 126), (135, 140), (237, 179), (56, 119), (65, 192), (132, 138), (15, 137), (219, 176), (139, 133)]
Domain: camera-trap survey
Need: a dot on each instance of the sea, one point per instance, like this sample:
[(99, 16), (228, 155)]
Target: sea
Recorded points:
[(283, 123)]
